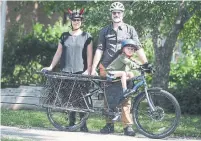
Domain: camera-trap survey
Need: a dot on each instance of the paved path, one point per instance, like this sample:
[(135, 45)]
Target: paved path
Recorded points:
[(49, 135)]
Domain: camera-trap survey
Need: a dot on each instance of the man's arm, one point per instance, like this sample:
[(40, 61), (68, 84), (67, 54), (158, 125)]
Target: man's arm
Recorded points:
[(99, 51), (140, 52), (141, 55), (96, 60)]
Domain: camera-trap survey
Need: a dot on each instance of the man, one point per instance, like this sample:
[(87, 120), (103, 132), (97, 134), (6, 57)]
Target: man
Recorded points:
[(109, 43)]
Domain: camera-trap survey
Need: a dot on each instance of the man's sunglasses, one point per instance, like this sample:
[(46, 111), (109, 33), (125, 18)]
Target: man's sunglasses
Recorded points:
[(114, 13), (78, 20)]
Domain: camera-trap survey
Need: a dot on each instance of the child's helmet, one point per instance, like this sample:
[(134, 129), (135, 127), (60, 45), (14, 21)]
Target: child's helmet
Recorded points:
[(131, 42), (117, 6), (76, 13)]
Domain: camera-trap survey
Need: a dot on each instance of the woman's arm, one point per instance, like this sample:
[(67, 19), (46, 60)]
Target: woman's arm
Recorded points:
[(56, 58), (89, 57)]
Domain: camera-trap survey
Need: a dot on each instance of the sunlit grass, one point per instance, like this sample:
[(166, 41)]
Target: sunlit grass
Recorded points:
[(190, 125), (13, 139)]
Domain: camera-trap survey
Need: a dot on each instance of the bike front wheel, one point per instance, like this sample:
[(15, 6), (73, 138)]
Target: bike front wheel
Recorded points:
[(163, 120)]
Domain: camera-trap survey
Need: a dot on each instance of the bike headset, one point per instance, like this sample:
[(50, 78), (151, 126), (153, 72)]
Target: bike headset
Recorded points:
[(117, 6), (75, 14)]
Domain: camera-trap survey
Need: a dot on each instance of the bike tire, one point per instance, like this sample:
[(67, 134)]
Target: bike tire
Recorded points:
[(152, 124), (59, 118)]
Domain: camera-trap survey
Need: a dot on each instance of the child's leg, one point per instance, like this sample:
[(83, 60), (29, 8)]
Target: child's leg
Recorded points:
[(130, 74), (123, 76)]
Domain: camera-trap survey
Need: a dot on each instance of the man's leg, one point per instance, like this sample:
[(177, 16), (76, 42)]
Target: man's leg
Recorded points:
[(126, 118), (109, 127)]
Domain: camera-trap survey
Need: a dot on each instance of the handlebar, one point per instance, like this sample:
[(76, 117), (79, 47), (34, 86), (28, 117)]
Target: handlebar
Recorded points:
[(145, 68)]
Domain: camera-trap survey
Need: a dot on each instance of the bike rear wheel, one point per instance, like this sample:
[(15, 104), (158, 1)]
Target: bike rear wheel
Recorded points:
[(60, 119), (159, 123)]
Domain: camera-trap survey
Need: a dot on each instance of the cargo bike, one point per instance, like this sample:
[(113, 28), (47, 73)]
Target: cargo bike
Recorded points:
[(155, 112)]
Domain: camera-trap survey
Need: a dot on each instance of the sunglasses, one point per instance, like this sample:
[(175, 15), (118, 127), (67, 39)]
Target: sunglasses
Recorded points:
[(114, 13), (76, 20), (131, 48)]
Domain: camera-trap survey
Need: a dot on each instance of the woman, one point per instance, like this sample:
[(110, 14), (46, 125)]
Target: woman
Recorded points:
[(74, 52)]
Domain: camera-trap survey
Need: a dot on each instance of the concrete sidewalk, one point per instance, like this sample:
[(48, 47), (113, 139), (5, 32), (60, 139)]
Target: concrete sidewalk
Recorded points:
[(49, 135)]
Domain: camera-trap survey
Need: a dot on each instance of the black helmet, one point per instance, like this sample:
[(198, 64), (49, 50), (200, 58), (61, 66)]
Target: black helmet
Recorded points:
[(76, 13)]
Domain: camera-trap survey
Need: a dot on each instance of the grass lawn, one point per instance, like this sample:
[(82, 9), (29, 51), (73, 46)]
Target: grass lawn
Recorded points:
[(12, 139), (190, 125)]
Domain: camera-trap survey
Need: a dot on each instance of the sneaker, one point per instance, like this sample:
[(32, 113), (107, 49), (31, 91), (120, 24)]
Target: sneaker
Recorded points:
[(128, 131), (110, 77), (84, 129), (108, 128), (71, 124), (117, 118)]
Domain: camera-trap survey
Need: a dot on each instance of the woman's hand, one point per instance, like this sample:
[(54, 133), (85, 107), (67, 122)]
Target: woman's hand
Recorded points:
[(89, 69), (47, 68), (93, 72)]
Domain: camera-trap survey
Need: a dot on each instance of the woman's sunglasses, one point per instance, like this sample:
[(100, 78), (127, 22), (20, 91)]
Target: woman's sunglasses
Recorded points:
[(76, 20)]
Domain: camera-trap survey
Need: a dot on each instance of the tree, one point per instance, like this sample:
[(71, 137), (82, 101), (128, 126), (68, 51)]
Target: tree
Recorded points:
[(165, 20)]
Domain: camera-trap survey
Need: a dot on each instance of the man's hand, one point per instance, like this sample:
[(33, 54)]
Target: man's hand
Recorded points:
[(147, 67)]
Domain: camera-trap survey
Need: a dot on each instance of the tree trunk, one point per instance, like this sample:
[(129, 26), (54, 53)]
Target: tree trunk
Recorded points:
[(163, 53)]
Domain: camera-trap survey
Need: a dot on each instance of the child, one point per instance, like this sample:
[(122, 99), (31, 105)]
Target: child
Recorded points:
[(122, 64)]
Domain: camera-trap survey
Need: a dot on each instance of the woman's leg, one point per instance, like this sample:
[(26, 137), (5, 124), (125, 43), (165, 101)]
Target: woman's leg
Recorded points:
[(72, 118)]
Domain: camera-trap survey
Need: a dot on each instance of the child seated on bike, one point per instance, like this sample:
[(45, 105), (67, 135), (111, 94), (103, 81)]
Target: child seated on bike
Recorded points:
[(122, 65)]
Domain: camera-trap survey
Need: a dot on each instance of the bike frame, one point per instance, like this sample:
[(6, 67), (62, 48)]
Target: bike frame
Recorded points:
[(101, 87), (142, 82)]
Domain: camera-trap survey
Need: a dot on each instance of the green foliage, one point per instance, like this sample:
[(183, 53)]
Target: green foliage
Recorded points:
[(185, 78), (24, 54), (23, 57), (191, 34)]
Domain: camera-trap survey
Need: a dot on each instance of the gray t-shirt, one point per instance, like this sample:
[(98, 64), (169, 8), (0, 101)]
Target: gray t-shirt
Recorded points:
[(74, 53), (110, 41)]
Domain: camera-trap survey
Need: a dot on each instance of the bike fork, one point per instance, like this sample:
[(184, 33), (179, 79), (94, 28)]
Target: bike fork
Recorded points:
[(150, 102)]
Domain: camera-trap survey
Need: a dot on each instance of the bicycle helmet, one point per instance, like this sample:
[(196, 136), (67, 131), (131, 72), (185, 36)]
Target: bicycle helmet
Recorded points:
[(76, 13), (117, 6), (126, 42)]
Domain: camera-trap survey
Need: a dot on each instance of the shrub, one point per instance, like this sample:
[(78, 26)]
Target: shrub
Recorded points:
[(185, 78)]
